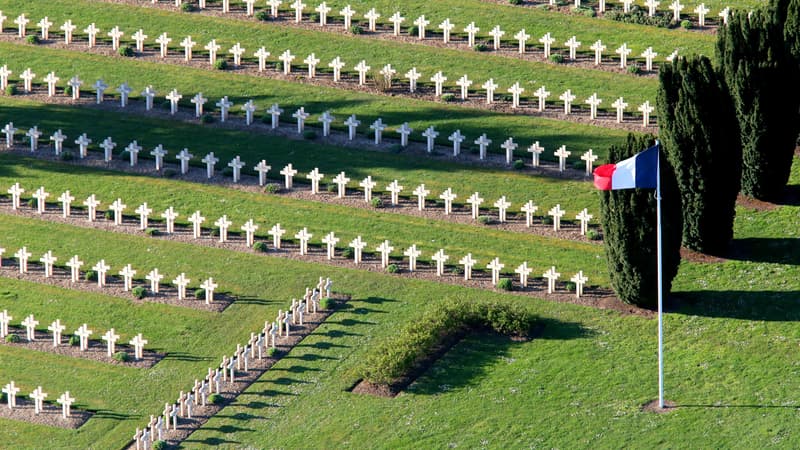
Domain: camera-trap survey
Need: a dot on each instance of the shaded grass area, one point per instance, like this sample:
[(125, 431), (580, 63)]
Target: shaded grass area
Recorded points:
[(291, 96)]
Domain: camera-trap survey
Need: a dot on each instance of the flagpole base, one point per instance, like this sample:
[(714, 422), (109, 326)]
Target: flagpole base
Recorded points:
[(652, 407)]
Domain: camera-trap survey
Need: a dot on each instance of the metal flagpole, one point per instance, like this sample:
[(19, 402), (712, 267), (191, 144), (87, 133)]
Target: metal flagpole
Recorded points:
[(660, 290)]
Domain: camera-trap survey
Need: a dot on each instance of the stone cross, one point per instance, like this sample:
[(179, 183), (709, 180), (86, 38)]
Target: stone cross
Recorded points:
[(41, 196), (91, 204), (438, 80), (100, 87), (262, 54), (208, 286), (547, 41), (51, 79), (412, 254), (286, 58), (326, 118), (197, 220), (378, 126), (557, 213), (589, 157), (448, 196), (273, 7), (701, 12), (4, 74), (388, 73), (394, 188), (11, 392), (237, 50), (464, 83), (174, 97), (357, 245), (598, 48), (155, 280), (648, 56), (144, 212), (66, 402), (315, 178), (584, 217), (456, 138), (27, 77), (163, 41), (74, 264), (124, 91), (446, 28), (48, 260), (108, 147), (275, 111), (385, 249), (430, 134), (515, 90), (626, 6), (58, 139), (34, 134), (468, 262), (502, 205), (139, 37), (23, 255), (30, 327), (372, 16), (524, 271), (188, 44), (249, 228), (210, 161), (83, 143), (68, 28), (341, 181), (169, 217), (323, 9), (542, 95), (724, 14), (184, 157), (181, 282), (92, 31), (495, 266), (127, 274), (421, 193), (148, 93), (404, 131), (288, 173), (212, 48), (620, 105), (421, 23), (562, 154), (573, 45), (159, 153), (471, 31), (579, 279), (224, 105), (276, 232), (5, 319), (16, 191), (83, 332), (623, 51), (236, 164), (262, 168), (651, 7), (551, 276), (312, 61), (396, 20), (645, 108), (56, 328), (223, 223), (115, 34), (101, 268), (496, 34), (368, 185), (475, 201), (337, 64), (568, 97), (301, 115), (522, 37), (111, 339), (593, 103), (298, 7), (509, 146), (38, 397), (440, 258), (138, 344), (413, 76), (330, 240), (21, 22)]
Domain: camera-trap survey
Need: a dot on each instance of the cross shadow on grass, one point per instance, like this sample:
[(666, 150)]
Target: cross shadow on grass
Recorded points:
[(723, 406), (781, 306), (183, 356)]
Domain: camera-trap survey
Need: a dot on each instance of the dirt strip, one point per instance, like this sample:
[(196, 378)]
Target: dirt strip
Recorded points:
[(229, 391), (579, 112), (50, 415)]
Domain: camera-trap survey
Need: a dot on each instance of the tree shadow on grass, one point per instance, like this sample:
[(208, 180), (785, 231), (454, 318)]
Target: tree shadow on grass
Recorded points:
[(723, 406), (790, 197), (310, 357), (780, 306), (213, 441), (323, 345), (768, 250)]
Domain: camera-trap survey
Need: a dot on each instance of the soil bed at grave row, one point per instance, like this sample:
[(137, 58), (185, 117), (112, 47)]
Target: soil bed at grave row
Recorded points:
[(114, 287), (385, 32), (49, 416), (580, 113), (96, 350), (355, 198), (594, 296), (243, 380)]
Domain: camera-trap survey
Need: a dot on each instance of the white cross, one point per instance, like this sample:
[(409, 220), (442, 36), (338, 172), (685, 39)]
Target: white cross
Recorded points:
[(197, 220), (21, 22), (117, 207), (567, 97), (496, 34), (188, 44), (573, 45), (27, 76), (249, 228), (372, 16), (464, 83), (286, 58), (223, 223), (101, 268), (159, 153), (626, 6), (155, 279), (542, 94), (51, 79), (16, 191), (440, 257), (149, 93), (412, 254), (323, 9), (41, 196), (388, 73), (651, 7), (144, 212), (515, 90), (551, 276), (378, 126), (337, 64), (395, 189), (236, 164), (301, 115), (676, 8), (5, 319), (169, 216), (124, 91), (82, 142), (224, 105), (262, 168), (108, 147), (579, 279), (115, 34), (298, 7), (448, 196), (304, 236), (312, 62), (275, 112), (623, 51), (438, 80), (495, 266), (139, 37), (421, 193), (67, 28), (4, 74), (341, 181), (163, 41), (11, 392), (529, 209), (34, 134), (368, 185), (724, 15), (66, 402), (475, 201), (288, 173), (212, 48), (208, 286), (502, 205), (509, 146), (701, 10), (598, 48), (589, 157), (111, 339), (83, 332), (523, 270), (237, 50), (262, 54), (23, 255), (174, 97), (357, 245), (547, 40), (273, 7), (593, 103), (58, 139), (396, 20), (315, 178), (75, 84), (138, 344), (430, 134), (522, 37), (100, 87), (471, 31), (56, 328), (413, 76), (276, 232), (91, 203), (456, 138), (184, 157), (330, 240), (649, 54), (557, 213), (181, 282), (45, 25), (92, 31), (385, 249), (446, 28), (30, 327), (421, 23), (74, 264), (38, 397), (645, 108), (620, 106), (326, 118), (584, 217)]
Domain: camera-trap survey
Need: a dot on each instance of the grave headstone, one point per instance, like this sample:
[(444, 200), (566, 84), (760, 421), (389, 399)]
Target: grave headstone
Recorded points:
[(440, 258), (468, 262), (66, 401), (223, 224), (303, 236), (276, 232), (412, 253), (262, 54), (357, 245), (580, 280), (341, 181), (394, 188), (286, 58), (562, 154), (368, 186), (456, 138), (502, 205), (438, 81), (421, 193), (495, 266), (396, 21), (74, 265), (208, 286), (522, 38), (556, 212), (330, 240), (111, 338), (378, 126), (210, 161), (41, 197), (515, 90), (56, 328), (38, 397), (312, 61), (262, 168), (188, 44), (169, 217), (30, 324), (155, 280), (523, 271), (430, 134), (196, 220), (301, 115), (83, 332), (584, 217), (509, 146), (551, 275), (181, 282), (337, 64), (144, 213), (48, 260), (250, 229), (138, 344), (413, 76), (236, 165), (288, 173)]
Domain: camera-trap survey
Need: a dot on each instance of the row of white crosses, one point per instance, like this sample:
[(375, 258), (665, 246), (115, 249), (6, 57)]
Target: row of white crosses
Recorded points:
[(38, 396), (230, 367), (83, 332)]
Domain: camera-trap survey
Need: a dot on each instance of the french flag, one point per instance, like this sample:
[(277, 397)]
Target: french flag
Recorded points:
[(639, 171)]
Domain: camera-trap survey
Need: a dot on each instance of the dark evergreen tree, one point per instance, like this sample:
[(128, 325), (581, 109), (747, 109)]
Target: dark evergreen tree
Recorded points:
[(629, 227), (761, 73), (699, 132)]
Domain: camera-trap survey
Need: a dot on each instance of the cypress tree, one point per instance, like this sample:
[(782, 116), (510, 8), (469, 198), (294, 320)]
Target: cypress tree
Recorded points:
[(759, 69), (699, 130), (629, 227)]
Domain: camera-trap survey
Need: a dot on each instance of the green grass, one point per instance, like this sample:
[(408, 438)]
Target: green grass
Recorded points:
[(394, 111), (320, 218)]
